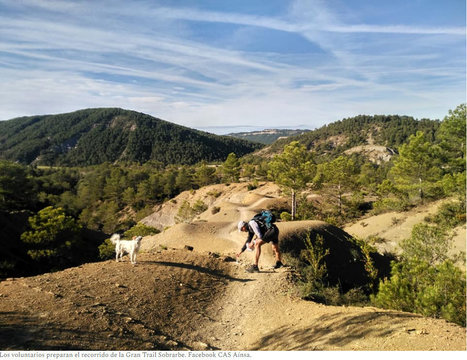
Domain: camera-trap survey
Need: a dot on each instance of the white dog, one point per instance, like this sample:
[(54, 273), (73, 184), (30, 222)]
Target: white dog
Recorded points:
[(126, 246)]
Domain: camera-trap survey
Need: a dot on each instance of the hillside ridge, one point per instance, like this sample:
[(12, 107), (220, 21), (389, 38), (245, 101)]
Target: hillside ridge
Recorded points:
[(93, 136), (333, 139)]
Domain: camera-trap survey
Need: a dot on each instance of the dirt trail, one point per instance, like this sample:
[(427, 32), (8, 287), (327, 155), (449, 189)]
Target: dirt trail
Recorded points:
[(267, 317)]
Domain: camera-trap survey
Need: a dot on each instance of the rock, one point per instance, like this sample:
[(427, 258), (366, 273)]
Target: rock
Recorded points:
[(171, 343), (199, 345), (188, 247), (228, 259)]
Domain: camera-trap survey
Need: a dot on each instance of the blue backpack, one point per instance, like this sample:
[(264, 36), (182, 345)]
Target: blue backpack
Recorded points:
[(265, 218)]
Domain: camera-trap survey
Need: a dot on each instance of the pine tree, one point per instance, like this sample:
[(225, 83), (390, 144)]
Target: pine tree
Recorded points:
[(293, 169), (418, 166), (231, 168), (452, 137), (184, 179), (204, 175), (52, 237), (426, 280), (339, 174)]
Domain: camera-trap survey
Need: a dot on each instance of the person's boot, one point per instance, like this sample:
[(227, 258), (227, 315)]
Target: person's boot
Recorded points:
[(278, 265), (253, 268)]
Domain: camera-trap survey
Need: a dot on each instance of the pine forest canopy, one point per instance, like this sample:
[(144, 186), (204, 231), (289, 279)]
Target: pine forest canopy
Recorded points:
[(385, 130), (95, 136)]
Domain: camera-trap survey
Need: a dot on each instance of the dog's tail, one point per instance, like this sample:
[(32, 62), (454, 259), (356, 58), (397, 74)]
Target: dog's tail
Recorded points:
[(114, 238)]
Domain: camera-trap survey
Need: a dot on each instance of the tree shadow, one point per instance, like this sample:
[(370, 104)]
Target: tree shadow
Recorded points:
[(20, 331), (335, 330), (200, 269)]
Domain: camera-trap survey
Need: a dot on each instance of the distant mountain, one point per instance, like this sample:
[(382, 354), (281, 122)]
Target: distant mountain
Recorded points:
[(94, 136), (266, 136), (364, 132)]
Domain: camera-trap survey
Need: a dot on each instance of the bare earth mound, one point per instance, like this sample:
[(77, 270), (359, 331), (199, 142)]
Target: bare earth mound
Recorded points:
[(177, 299)]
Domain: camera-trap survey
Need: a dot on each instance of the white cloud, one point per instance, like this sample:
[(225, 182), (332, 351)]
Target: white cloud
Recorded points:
[(144, 58)]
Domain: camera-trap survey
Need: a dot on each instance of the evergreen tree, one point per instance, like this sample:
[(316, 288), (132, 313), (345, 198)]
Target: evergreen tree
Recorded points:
[(129, 196), (53, 238), (170, 177), (231, 168), (292, 169), (184, 179), (418, 166), (16, 187), (452, 137), (144, 191), (114, 185), (429, 244), (426, 280), (339, 174), (248, 171), (205, 175)]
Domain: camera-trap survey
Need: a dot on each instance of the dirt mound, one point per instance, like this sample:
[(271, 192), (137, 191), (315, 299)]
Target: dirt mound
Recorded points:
[(392, 227), (163, 302), (225, 199), (345, 262)]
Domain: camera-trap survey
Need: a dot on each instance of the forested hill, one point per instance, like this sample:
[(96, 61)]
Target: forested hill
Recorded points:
[(94, 136), (386, 130)]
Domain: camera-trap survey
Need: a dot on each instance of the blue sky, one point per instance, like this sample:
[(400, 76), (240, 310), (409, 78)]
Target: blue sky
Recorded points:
[(234, 65)]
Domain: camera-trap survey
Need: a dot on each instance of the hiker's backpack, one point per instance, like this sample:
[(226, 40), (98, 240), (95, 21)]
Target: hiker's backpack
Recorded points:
[(265, 218)]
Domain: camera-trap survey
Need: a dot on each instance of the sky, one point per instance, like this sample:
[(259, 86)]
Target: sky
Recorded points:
[(234, 65)]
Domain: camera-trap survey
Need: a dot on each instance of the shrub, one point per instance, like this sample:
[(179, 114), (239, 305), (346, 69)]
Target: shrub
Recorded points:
[(214, 193), (140, 230), (186, 212), (252, 186), (306, 209), (390, 204), (370, 268), (416, 286), (429, 244), (425, 281), (375, 239), (285, 216), (313, 272), (53, 238), (106, 250), (450, 214), (199, 207)]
